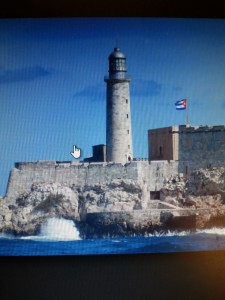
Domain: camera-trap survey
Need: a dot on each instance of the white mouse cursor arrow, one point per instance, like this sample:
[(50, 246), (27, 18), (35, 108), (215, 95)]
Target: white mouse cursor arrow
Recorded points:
[(76, 152)]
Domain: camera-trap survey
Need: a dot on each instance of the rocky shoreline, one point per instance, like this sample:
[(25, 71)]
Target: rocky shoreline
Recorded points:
[(121, 207)]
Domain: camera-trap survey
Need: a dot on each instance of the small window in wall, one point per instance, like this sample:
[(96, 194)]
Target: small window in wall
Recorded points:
[(126, 100), (128, 131), (160, 151), (127, 116), (128, 146), (186, 170)]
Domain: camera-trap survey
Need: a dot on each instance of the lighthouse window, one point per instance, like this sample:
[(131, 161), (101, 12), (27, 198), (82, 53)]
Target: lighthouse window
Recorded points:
[(160, 151), (186, 170), (112, 65), (128, 146), (126, 100), (128, 131), (123, 63), (127, 116), (120, 64)]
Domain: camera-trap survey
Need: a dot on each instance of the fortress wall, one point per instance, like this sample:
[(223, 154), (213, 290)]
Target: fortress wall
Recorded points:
[(70, 175), (163, 143), (187, 167), (201, 147), (154, 173), (94, 173), (151, 175), (21, 179), (25, 174)]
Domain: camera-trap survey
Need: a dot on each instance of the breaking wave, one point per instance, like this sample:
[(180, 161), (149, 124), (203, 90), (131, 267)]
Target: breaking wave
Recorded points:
[(214, 230), (57, 229)]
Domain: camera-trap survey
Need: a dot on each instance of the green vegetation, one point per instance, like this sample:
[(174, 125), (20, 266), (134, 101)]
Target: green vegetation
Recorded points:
[(50, 202)]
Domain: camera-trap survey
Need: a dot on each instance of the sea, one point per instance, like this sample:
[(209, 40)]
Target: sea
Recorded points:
[(61, 237)]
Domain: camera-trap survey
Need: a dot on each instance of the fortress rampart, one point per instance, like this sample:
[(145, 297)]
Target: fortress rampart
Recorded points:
[(193, 147), (202, 146), (153, 174)]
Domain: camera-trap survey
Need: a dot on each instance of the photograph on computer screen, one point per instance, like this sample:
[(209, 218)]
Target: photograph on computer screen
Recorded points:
[(112, 136)]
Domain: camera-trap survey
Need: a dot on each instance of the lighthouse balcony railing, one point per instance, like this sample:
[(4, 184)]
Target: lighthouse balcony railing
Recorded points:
[(140, 159)]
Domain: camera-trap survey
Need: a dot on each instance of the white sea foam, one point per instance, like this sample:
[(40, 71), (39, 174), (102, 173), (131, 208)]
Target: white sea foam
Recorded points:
[(214, 230), (170, 233), (181, 233), (6, 236), (59, 229)]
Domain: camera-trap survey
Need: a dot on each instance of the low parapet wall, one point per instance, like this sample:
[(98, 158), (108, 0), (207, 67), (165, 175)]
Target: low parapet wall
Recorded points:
[(152, 174)]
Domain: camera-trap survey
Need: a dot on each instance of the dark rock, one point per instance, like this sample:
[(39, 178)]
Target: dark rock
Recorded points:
[(113, 224), (12, 207), (181, 223), (118, 208), (189, 201)]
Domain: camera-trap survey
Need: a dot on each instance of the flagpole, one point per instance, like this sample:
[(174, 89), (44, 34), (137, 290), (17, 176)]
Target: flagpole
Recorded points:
[(187, 125)]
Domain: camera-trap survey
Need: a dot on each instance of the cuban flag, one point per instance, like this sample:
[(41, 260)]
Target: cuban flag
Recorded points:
[(181, 104)]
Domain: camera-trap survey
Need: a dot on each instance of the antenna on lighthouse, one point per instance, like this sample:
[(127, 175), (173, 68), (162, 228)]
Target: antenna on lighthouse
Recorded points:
[(117, 43)]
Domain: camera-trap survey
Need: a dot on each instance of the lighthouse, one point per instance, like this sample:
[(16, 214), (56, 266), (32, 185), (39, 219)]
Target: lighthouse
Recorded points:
[(118, 114)]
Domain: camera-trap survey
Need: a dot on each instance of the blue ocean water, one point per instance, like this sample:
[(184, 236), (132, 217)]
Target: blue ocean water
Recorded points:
[(153, 244), (58, 239)]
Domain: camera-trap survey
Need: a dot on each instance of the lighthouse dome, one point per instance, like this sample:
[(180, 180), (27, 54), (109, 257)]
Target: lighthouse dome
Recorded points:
[(116, 54), (117, 63)]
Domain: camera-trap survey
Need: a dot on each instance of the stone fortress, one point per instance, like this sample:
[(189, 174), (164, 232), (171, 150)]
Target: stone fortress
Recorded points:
[(174, 150), (113, 193)]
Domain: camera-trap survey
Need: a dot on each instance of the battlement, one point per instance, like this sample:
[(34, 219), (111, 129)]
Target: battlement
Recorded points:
[(35, 164), (47, 164), (200, 129)]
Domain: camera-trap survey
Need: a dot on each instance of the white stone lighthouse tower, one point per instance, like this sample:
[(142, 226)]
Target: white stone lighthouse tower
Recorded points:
[(118, 116)]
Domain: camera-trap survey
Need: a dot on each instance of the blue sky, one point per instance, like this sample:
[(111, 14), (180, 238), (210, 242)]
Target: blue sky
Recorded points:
[(52, 92)]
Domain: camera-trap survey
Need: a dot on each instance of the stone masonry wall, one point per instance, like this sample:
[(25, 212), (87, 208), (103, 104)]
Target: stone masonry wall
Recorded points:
[(118, 127), (151, 174), (163, 143), (201, 147)]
